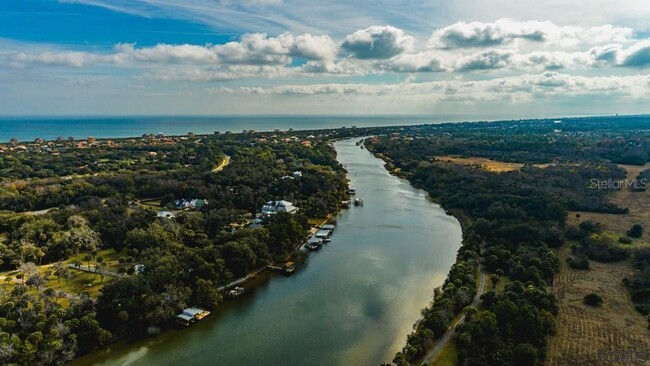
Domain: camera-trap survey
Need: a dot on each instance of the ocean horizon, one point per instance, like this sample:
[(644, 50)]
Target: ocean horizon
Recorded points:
[(50, 128)]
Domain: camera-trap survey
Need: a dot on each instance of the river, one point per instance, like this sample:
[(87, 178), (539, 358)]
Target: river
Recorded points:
[(351, 303)]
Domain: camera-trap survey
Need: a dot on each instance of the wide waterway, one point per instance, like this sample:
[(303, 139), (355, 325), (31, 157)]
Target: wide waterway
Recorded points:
[(351, 303)]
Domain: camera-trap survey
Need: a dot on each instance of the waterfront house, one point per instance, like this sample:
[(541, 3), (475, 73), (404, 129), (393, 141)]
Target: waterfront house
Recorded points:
[(192, 204), (273, 207), (166, 214)]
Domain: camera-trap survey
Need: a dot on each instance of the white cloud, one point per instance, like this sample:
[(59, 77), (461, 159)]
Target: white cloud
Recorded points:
[(64, 58), (488, 60), (342, 67), (518, 62), (165, 53), (258, 48), (522, 87), (507, 31), (414, 62), (377, 42)]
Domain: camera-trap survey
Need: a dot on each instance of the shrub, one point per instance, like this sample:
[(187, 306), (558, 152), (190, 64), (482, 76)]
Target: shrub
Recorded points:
[(594, 227), (579, 262), (593, 299), (636, 231), (625, 240), (574, 233), (600, 248)]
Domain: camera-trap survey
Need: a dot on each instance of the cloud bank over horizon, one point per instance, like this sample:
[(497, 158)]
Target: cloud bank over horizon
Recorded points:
[(523, 65)]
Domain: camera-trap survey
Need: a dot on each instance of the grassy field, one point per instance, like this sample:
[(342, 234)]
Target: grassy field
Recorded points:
[(485, 163), (614, 334), (149, 204), (80, 282), (316, 222), (448, 356)]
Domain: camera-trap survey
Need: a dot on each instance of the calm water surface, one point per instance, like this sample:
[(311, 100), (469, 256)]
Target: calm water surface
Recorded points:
[(352, 303), (27, 129)]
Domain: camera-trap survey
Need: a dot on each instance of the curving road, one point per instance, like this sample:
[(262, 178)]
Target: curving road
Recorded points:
[(222, 164), (452, 329)]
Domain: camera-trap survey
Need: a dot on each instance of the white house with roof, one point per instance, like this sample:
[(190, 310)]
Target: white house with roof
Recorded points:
[(166, 214), (273, 207)]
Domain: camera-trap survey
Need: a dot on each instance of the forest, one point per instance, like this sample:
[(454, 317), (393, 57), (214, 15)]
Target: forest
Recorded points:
[(513, 221), (99, 211)]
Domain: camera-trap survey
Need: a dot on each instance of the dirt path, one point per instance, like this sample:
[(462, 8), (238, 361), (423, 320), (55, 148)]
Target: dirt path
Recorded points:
[(451, 332)]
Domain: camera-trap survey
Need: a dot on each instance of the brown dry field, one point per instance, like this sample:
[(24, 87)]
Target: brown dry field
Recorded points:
[(485, 163), (614, 334)]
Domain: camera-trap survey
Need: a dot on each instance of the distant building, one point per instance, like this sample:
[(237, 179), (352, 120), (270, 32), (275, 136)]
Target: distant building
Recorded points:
[(138, 268), (193, 204), (166, 214), (273, 207)]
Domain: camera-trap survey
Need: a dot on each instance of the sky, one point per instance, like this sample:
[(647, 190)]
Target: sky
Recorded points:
[(490, 58)]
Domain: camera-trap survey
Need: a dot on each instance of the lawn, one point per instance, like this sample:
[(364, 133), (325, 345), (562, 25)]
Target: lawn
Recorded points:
[(150, 204), (486, 164), (81, 281), (448, 355)]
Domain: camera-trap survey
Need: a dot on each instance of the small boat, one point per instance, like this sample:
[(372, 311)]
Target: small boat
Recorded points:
[(352, 191), (358, 201), (289, 268), (327, 240), (313, 244), (236, 291)]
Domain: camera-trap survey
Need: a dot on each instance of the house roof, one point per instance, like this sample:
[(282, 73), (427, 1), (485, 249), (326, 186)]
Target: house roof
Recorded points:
[(185, 317), (192, 311)]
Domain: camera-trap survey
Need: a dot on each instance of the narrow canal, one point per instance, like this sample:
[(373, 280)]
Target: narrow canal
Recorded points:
[(352, 303)]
